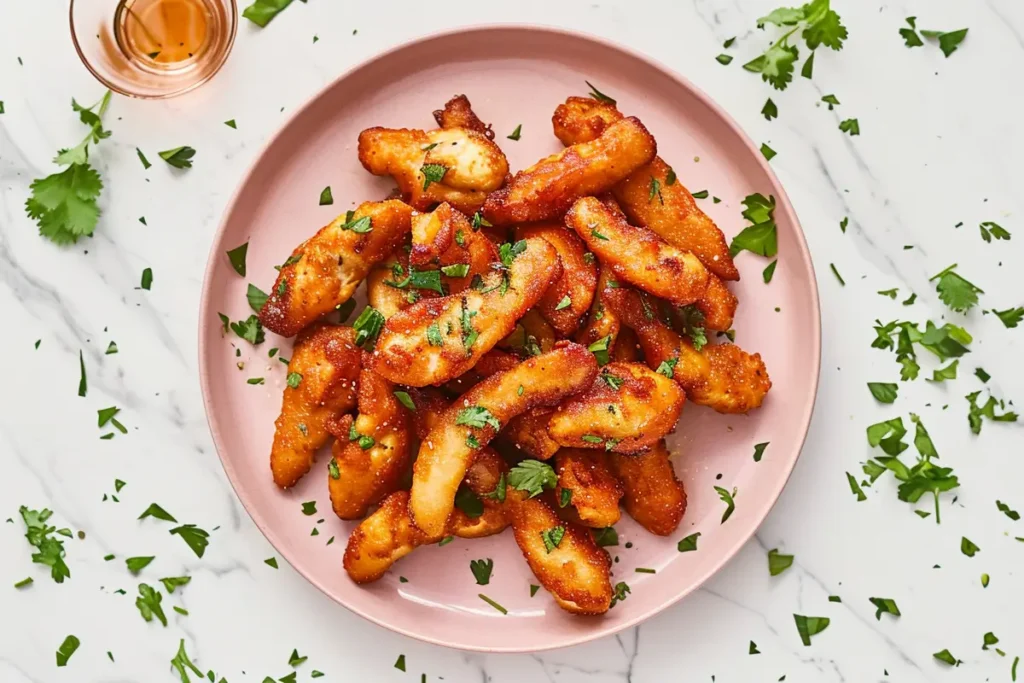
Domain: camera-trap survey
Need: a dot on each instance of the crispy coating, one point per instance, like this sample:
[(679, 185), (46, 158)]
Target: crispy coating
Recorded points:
[(447, 450), (491, 362), (366, 475), (637, 255), (458, 113), (473, 165), (482, 478), (627, 347), (602, 321), (654, 497), (569, 297), (426, 343), (676, 217), (430, 405), (641, 407), (577, 572), (328, 360), (529, 433), (593, 489), (721, 376), (324, 271), (547, 189), (718, 305), (382, 539)]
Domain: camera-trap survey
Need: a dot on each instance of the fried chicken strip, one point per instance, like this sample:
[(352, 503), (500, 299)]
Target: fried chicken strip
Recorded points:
[(591, 487), (479, 414), (458, 113), (327, 360), (626, 410), (324, 271), (569, 297), (654, 497), (547, 189), (637, 255), (721, 376), (436, 340), (371, 451)]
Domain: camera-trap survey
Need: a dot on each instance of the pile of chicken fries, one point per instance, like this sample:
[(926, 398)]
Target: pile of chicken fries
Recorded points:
[(528, 343)]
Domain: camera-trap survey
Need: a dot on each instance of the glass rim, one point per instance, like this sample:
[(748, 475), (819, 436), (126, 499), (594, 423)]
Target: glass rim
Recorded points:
[(232, 6)]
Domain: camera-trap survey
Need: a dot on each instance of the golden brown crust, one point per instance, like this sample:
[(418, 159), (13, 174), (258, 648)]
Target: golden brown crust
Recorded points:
[(366, 475), (430, 405), (529, 433), (718, 305), (569, 297), (637, 255), (324, 271), (491, 362), (626, 410), (328, 360), (473, 165), (593, 490), (654, 497), (547, 189), (382, 539), (447, 450), (721, 376), (627, 347), (458, 113), (677, 218), (602, 321), (577, 572), (404, 352)]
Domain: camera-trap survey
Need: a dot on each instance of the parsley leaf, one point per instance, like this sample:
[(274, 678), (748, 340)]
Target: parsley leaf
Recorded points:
[(158, 512), (851, 126), (181, 662), (730, 502), (196, 538), (688, 544), (777, 562), (947, 657), (478, 417), (148, 603), (532, 476), (883, 392), (910, 37), (600, 350), (434, 335), (552, 537), (809, 626), (1011, 317), (759, 450), (179, 157), (976, 412), (949, 41), (432, 173), (990, 230), (50, 550), (237, 258), (517, 133), (261, 12), (137, 564), (250, 329), (368, 326), (469, 502), (769, 110), (326, 197), (760, 237), (956, 292), (482, 570), (887, 605)]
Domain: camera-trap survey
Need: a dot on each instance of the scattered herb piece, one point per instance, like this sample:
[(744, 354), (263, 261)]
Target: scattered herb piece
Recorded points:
[(947, 657), (194, 537), (887, 605), (179, 157), (777, 562), (809, 626), (482, 570), (605, 537), (492, 603), (760, 236), (158, 512), (516, 133), (50, 550), (326, 198), (136, 564), (368, 326), (968, 548), (66, 649), (688, 544), (851, 126), (532, 476), (432, 173), (770, 111), (884, 392), (598, 95), (148, 603), (261, 12), (730, 502), (552, 537), (143, 159), (759, 450), (769, 271)]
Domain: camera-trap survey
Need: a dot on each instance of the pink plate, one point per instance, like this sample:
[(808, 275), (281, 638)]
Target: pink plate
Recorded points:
[(512, 75)]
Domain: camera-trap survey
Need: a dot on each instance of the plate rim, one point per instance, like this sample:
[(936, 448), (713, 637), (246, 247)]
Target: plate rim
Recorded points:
[(783, 203)]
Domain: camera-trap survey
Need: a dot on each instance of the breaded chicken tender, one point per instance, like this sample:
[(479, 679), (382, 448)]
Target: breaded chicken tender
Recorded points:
[(575, 571), (462, 164), (654, 497), (602, 321), (721, 376), (718, 305), (437, 340), (479, 414), (444, 236), (529, 433), (458, 113), (626, 410), (591, 487), (382, 539), (637, 255), (327, 360), (371, 451), (324, 271), (675, 216), (548, 188), (569, 297)]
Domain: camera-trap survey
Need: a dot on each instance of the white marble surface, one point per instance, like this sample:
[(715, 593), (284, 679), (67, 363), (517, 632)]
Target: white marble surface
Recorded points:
[(940, 144)]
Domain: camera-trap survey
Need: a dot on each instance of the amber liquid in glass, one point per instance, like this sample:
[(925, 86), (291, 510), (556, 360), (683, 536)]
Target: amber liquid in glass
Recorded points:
[(165, 32)]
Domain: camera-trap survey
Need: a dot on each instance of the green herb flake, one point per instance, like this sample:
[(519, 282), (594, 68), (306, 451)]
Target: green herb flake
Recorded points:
[(552, 537), (50, 550), (515, 135), (968, 547), (136, 564), (532, 476), (759, 450), (760, 236), (947, 657), (770, 110), (143, 159), (730, 502), (810, 626), (886, 605), (777, 562), (850, 126), (262, 12), (884, 392), (432, 173), (482, 570), (400, 663), (194, 537), (66, 649), (688, 544), (768, 152), (326, 197), (769, 271), (492, 603), (598, 95), (179, 157)]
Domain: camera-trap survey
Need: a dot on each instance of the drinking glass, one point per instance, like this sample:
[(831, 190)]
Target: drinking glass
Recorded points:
[(153, 48)]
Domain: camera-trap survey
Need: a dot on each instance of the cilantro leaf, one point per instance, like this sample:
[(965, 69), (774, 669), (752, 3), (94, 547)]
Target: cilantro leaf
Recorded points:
[(532, 476), (956, 292)]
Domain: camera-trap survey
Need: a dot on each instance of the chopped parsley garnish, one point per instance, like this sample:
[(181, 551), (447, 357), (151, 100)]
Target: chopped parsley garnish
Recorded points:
[(261, 12), (851, 126), (1006, 510), (655, 191), (28, 581), (730, 502), (884, 392), (552, 537), (326, 198), (768, 152), (469, 333), (613, 381), (600, 349), (256, 297), (670, 177), (472, 441), (956, 292), (777, 562), (482, 570), (405, 399), (517, 133), (148, 603), (194, 537), (143, 159), (158, 512), (295, 659), (942, 374), (83, 383), (947, 657), (67, 648), (179, 157), (532, 476), (816, 22), (990, 231), (492, 603), (598, 95), (949, 41), (368, 326), (499, 491), (752, 650), (976, 412), (724, 59), (400, 663), (769, 272), (432, 173), (564, 498), (565, 302), (835, 272), (605, 537), (136, 564), (236, 257), (760, 236), (479, 221), (333, 470), (887, 605), (147, 279), (770, 111), (667, 367), (172, 582), (809, 626), (688, 544), (596, 235), (230, 123), (700, 194), (49, 550), (469, 502), (692, 320), (456, 270), (360, 226), (477, 417), (434, 335), (619, 592), (419, 279), (968, 547), (1011, 317)]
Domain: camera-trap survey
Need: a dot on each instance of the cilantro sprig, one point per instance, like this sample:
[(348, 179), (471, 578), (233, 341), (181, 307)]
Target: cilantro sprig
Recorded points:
[(816, 22), (64, 205)]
